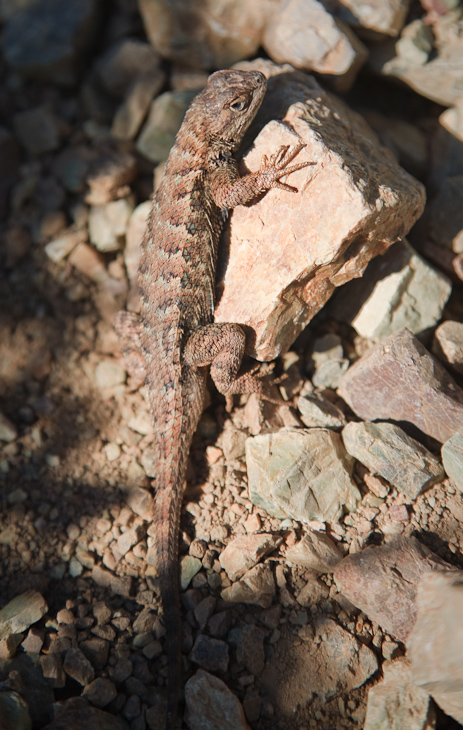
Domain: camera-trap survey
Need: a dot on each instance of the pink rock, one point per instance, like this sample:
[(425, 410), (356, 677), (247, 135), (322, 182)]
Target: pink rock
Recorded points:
[(400, 380)]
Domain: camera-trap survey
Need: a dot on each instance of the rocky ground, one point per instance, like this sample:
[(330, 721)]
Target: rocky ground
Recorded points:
[(322, 538)]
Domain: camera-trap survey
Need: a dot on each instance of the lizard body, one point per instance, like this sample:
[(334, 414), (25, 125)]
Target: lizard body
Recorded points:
[(176, 334)]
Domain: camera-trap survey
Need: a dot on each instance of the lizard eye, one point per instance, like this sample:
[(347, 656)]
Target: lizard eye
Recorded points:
[(239, 105)]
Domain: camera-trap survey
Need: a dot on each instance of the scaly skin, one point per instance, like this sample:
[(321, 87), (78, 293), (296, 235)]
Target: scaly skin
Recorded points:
[(177, 335)]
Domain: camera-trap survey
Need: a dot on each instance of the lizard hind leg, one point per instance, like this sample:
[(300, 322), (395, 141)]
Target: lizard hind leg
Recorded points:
[(221, 345)]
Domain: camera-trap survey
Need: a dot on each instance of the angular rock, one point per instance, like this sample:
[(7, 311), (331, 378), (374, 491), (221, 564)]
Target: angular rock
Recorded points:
[(206, 35), (439, 79), (21, 612), (100, 692), (387, 451), (212, 654), (77, 666), (381, 16), (49, 40), (257, 587), (301, 473), (399, 380), (304, 34), (323, 236), (133, 110), (435, 646), (452, 458), (313, 592), (124, 61), (164, 120), (444, 216), (8, 431), (449, 344), (399, 289), (189, 566), (315, 551), (110, 176), (329, 361), (245, 551), (75, 714), (382, 582), (326, 665), (396, 702), (108, 224), (52, 668), (14, 711), (211, 706), (318, 412)]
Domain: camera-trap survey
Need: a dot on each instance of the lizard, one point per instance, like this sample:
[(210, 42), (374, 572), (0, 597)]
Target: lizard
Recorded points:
[(176, 334)]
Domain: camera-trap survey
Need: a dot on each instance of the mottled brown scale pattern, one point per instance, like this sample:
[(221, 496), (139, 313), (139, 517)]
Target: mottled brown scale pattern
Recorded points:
[(176, 333)]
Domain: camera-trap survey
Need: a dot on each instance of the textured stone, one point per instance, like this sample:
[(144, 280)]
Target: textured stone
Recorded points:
[(14, 711), (315, 551), (245, 551), (318, 412), (452, 458), (77, 666), (133, 110), (108, 224), (382, 581), (381, 16), (110, 176), (211, 654), (396, 703), (75, 714), (325, 235), (387, 450), (301, 473), (100, 692), (435, 646), (399, 289), (257, 587), (303, 33), (207, 35), (21, 612), (49, 39), (250, 649), (211, 706), (444, 215), (399, 380), (164, 120), (125, 60), (448, 344)]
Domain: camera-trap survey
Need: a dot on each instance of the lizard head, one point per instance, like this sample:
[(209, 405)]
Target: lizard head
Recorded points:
[(227, 105)]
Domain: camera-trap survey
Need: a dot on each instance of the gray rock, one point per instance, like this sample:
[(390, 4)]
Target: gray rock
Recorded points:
[(396, 702), (435, 646), (164, 120), (448, 344), (245, 551), (100, 692), (382, 582), (49, 39), (211, 706), (399, 380), (77, 666), (124, 61), (303, 33), (21, 612), (399, 289), (206, 35), (301, 473), (14, 712), (37, 130), (452, 457), (257, 587), (189, 566), (318, 412), (211, 654), (315, 551), (380, 16), (386, 450)]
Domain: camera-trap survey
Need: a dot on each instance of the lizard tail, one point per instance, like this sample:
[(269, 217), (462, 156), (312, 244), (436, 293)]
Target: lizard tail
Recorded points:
[(168, 504)]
